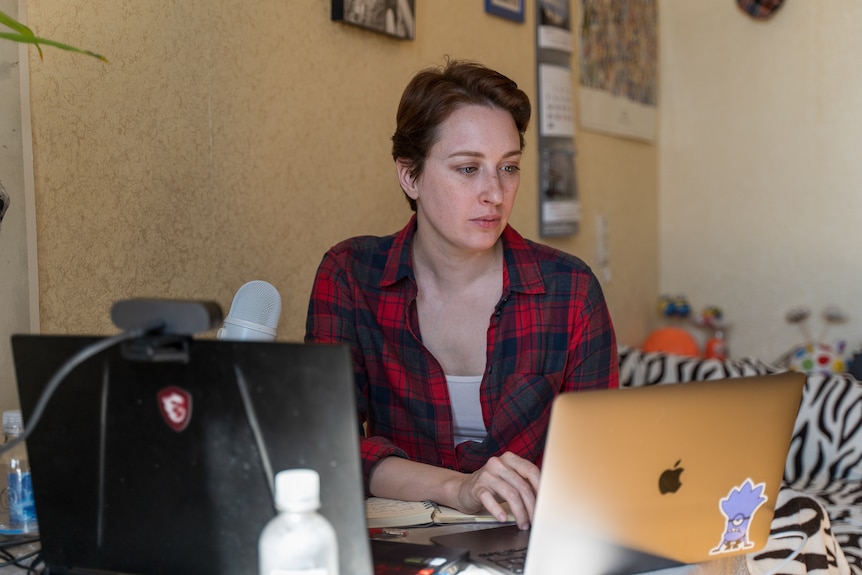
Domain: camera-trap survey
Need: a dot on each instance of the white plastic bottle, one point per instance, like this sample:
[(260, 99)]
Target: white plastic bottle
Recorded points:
[(18, 507), (299, 540)]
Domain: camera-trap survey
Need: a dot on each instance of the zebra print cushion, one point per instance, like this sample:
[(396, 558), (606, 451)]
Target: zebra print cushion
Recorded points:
[(843, 501), (818, 552), (827, 441), (639, 368), (825, 457)]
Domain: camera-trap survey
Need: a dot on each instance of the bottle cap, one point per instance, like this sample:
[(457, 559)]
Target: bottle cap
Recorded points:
[(297, 490), (13, 423)]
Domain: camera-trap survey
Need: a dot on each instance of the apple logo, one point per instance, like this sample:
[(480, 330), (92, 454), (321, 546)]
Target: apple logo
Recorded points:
[(668, 481)]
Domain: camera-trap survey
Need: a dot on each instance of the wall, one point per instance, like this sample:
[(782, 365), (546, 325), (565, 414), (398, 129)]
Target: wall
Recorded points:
[(17, 231), (759, 166), (228, 141)]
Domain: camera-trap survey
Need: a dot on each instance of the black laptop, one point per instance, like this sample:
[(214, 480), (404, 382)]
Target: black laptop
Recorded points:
[(158, 458)]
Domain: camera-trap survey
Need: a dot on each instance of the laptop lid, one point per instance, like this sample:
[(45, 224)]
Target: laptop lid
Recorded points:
[(164, 464), (689, 471)]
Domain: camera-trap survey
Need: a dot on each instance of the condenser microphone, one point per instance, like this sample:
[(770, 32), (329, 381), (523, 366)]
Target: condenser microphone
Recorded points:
[(254, 313)]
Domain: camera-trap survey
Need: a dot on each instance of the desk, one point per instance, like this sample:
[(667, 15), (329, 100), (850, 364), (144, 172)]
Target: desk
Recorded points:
[(726, 566)]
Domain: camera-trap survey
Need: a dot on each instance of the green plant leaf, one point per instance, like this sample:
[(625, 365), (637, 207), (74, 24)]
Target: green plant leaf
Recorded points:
[(22, 30), (35, 40), (14, 24), (24, 35)]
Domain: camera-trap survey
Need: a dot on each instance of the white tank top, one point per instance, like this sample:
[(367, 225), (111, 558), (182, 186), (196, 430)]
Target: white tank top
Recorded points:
[(466, 409)]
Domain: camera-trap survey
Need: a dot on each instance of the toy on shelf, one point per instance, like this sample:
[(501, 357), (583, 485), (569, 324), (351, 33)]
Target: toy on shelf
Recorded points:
[(675, 339), (674, 307), (712, 319), (816, 356), (672, 338)]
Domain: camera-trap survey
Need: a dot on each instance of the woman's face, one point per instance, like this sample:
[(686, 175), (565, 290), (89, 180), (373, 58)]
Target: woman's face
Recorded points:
[(467, 188)]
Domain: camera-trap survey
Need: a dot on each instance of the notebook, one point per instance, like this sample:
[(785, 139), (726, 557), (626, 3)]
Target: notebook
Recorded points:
[(382, 512), (164, 466), (676, 474)]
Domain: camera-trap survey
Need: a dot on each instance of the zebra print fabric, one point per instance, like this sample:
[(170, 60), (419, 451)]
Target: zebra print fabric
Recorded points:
[(823, 474), (818, 552)]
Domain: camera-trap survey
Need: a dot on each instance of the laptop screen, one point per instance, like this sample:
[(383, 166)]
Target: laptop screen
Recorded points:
[(163, 463)]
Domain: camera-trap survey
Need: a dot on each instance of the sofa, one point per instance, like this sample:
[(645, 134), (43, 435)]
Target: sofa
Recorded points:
[(822, 490)]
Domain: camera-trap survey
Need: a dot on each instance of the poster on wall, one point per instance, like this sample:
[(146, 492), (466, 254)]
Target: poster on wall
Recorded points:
[(391, 17), (619, 67)]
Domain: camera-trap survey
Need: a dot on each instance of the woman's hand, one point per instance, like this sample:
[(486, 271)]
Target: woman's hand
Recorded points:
[(508, 478)]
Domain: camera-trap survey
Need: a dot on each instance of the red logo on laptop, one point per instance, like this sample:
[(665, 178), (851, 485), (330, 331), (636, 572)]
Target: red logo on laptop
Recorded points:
[(176, 407)]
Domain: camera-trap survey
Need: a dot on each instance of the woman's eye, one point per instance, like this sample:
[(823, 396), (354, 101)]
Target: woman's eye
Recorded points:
[(511, 169), (468, 170)]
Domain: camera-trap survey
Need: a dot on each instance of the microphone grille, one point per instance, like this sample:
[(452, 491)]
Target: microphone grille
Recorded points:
[(257, 302)]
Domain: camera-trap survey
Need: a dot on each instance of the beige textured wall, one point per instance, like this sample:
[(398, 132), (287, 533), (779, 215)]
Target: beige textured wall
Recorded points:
[(230, 140)]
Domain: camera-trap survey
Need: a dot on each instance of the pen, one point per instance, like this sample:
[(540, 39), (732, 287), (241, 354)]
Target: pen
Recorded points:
[(386, 533)]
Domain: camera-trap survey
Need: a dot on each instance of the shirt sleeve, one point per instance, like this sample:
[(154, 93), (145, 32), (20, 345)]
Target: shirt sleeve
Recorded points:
[(332, 310), (593, 357)]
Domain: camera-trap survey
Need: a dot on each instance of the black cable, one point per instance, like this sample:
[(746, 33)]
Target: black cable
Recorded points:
[(21, 561), (16, 540), (70, 364)]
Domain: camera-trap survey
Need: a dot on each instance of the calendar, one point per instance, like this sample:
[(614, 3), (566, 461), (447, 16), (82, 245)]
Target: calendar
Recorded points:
[(555, 101)]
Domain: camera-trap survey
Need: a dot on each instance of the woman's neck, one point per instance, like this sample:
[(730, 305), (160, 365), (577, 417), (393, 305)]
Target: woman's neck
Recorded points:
[(455, 270)]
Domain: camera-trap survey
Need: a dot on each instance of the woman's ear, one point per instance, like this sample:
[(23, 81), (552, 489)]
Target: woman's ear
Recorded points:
[(406, 179)]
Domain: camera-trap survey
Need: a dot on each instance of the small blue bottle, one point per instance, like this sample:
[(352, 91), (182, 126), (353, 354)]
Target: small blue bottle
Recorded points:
[(16, 498)]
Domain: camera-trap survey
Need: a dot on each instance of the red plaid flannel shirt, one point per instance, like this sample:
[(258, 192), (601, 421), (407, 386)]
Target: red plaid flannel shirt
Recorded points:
[(551, 333)]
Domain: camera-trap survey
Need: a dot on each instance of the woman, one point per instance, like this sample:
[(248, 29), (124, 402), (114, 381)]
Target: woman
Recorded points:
[(462, 331)]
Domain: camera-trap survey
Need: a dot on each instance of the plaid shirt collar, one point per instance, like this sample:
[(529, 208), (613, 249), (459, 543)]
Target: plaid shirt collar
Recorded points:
[(521, 273)]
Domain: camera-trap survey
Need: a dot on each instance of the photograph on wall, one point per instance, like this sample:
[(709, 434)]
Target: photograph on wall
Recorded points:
[(555, 26), (394, 18), (560, 209), (509, 9), (619, 67)]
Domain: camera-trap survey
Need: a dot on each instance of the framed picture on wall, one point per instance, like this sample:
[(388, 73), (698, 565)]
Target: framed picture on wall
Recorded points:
[(511, 9), (394, 18)]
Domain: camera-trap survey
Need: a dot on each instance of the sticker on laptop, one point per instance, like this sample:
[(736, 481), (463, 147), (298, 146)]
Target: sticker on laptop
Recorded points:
[(738, 509), (175, 405)]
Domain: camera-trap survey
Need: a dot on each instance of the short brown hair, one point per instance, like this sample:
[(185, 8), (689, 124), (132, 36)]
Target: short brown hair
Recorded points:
[(435, 93)]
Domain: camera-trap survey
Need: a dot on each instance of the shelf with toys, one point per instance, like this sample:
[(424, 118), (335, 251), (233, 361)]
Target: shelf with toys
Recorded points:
[(674, 337)]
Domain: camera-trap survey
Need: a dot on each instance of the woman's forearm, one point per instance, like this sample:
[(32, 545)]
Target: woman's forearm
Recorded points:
[(399, 478)]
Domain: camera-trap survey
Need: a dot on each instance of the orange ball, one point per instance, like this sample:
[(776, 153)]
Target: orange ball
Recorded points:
[(673, 340)]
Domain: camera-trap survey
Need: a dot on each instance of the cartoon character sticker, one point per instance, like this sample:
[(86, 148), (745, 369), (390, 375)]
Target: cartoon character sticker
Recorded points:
[(738, 508)]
